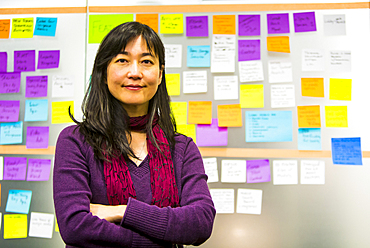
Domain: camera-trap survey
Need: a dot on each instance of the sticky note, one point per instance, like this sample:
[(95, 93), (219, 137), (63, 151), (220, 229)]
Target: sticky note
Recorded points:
[(229, 115), (335, 24), (210, 167), (148, 19), (340, 61), (249, 50), (180, 112), (223, 200), (200, 112), (225, 87), (304, 22), (194, 82), (249, 25), (198, 56), (15, 168), (173, 55), (336, 116), (251, 96), (24, 60), (4, 29), (268, 126), (282, 96), (172, 24), (38, 169), (309, 139), (10, 82), (197, 26), (346, 151), (36, 86), (56, 225), (41, 225), (187, 130), (59, 112), (278, 44), (19, 201), (278, 23), (224, 24), (173, 84), (22, 28), (313, 60), (3, 61), (15, 226), (101, 25), (36, 110), (250, 71), (249, 201), (211, 135), (258, 171), (280, 71), (312, 87), (233, 171), (223, 53), (340, 89), (1, 171), (285, 172), (37, 137), (48, 59), (62, 86), (309, 116), (45, 26), (9, 111), (11, 133), (312, 172)]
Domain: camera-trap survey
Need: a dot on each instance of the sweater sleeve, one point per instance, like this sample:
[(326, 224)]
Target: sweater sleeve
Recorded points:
[(189, 224)]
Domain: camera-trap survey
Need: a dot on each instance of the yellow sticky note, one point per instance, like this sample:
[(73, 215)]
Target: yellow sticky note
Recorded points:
[(340, 89), (187, 130), (180, 112), (200, 112), (229, 115), (4, 29), (173, 84), (149, 19), (22, 28), (251, 96), (56, 225), (172, 24), (15, 226), (312, 87), (278, 44), (309, 116), (336, 116), (101, 25), (59, 112), (224, 24)]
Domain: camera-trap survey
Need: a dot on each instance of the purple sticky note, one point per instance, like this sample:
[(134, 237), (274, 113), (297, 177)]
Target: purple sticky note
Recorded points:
[(3, 61), (24, 60), (15, 168), (37, 137), (9, 111), (249, 50), (211, 135), (258, 171), (38, 169), (197, 26), (36, 86), (249, 25), (10, 82), (48, 59), (278, 23), (304, 22)]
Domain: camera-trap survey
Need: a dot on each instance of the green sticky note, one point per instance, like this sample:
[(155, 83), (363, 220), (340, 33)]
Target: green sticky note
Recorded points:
[(100, 25)]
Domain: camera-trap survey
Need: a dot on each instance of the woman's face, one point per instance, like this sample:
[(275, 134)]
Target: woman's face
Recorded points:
[(133, 77)]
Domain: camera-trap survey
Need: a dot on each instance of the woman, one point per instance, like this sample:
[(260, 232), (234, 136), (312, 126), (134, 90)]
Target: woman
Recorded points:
[(123, 177)]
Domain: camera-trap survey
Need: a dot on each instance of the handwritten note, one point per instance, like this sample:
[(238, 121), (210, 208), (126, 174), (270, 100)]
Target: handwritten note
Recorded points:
[(15, 168), (210, 167), (59, 112), (225, 87), (36, 110), (334, 24), (224, 24), (36, 86), (309, 116), (250, 71), (38, 169), (280, 71), (1, 172), (211, 135), (180, 112), (24, 60), (309, 139), (200, 112), (19, 201), (172, 24), (15, 226), (268, 126), (4, 29), (148, 19), (173, 56), (223, 53), (9, 111), (37, 137), (282, 96), (195, 81), (304, 22), (173, 84), (258, 171), (3, 60), (251, 96), (45, 26), (346, 151), (11, 133), (336, 116), (249, 25), (187, 130), (313, 60), (62, 86), (197, 26), (278, 23), (278, 44), (233, 171), (10, 82), (312, 172), (198, 56), (340, 89), (312, 87), (249, 50), (285, 172), (223, 200), (229, 115), (249, 201), (340, 61), (22, 28), (41, 225), (48, 59)]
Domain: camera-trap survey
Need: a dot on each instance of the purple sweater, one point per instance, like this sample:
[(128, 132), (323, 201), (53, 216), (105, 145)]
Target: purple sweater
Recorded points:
[(79, 181)]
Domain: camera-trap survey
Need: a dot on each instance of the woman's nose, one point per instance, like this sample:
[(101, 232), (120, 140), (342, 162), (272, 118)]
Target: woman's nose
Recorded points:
[(134, 70)]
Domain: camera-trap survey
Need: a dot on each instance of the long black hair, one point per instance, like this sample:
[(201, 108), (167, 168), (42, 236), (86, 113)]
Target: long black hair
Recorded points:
[(105, 124)]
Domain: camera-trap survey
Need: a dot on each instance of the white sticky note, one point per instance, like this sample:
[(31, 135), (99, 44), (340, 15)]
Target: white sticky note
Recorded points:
[(249, 201), (173, 56), (1, 167), (194, 81), (285, 172), (335, 24), (226, 88), (223, 53), (313, 60), (282, 96), (251, 71), (233, 171), (223, 43), (312, 172), (280, 72), (41, 225), (340, 61), (210, 167), (223, 200), (1, 217), (62, 86)]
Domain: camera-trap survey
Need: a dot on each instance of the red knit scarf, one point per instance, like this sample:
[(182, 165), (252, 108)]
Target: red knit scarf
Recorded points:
[(162, 176)]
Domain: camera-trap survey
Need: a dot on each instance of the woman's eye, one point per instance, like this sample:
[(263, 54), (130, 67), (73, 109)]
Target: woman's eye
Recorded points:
[(146, 61), (121, 60)]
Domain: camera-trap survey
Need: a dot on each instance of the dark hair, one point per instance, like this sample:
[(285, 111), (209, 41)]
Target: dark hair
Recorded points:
[(105, 124)]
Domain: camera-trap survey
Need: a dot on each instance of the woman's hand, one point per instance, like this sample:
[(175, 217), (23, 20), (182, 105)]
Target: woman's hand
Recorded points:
[(112, 214)]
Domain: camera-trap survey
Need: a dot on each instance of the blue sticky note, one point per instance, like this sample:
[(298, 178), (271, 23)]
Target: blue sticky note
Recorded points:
[(19, 201), (36, 110), (309, 139), (268, 126), (11, 133), (199, 56), (346, 151), (45, 26)]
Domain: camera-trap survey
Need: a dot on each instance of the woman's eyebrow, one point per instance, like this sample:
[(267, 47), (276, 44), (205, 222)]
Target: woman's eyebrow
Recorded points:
[(142, 55)]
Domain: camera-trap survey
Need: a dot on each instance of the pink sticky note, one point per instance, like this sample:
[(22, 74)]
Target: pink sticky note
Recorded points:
[(10, 82), (304, 22), (197, 26), (38, 169), (37, 137), (9, 111), (249, 50), (249, 25), (15, 168), (258, 171), (36, 86), (211, 135), (24, 60), (48, 59)]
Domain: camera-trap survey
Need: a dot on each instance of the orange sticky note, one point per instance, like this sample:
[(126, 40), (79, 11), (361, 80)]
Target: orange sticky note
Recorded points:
[(200, 112), (224, 24), (336, 116), (340, 89), (149, 19), (309, 116), (4, 29), (312, 87), (229, 115), (278, 44)]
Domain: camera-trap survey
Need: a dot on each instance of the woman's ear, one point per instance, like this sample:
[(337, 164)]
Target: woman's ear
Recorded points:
[(161, 74)]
